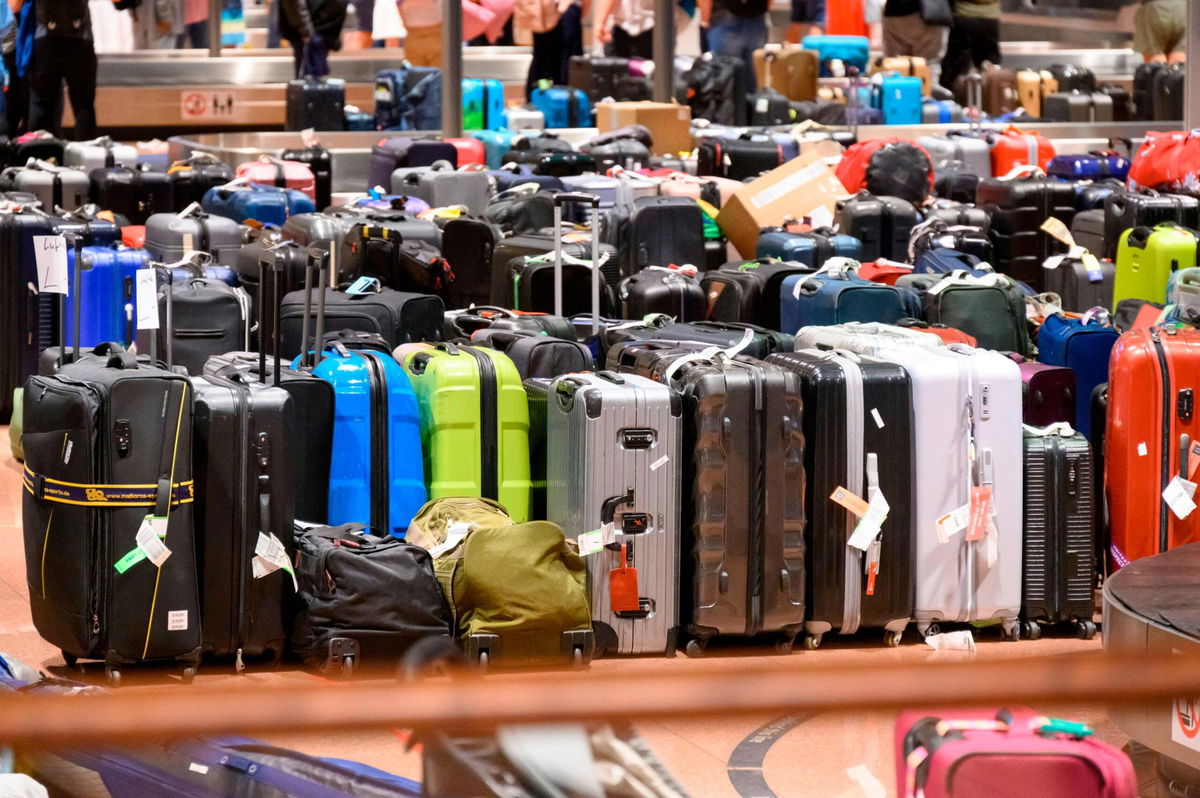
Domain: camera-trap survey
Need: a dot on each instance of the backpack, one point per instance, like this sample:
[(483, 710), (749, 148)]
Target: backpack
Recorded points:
[(64, 17), (706, 88), (890, 166)]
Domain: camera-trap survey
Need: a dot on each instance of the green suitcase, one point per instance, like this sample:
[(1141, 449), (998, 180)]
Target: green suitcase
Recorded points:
[(1146, 258), (474, 424)]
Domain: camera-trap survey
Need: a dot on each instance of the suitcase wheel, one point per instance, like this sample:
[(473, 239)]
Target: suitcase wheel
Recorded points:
[(695, 647), (892, 639), (113, 675), (784, 644), (812, 642), (189, 673), (1085, 630), (577, 661), (1031, 630)]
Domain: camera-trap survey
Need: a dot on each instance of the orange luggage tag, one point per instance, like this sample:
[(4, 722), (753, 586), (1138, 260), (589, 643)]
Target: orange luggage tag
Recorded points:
[(623, 586)]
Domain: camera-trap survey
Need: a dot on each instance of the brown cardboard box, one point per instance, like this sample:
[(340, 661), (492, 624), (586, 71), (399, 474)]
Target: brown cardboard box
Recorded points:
[(803, 186), (669, 124)]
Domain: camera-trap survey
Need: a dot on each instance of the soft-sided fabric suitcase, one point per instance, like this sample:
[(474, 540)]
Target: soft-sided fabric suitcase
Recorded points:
[(1018, 208), (882, 224), (390, 154), (1091, 166), (1083, 345), (742, 509), (738, 159), (1151, 429), (811, 249), (748, 291), (1081, 284), (408, 98), (106, 295), (315, 103), (1146, 259), (990, 308), (536, 355), (656, 289), (715, 88), (198, 317), (244, 510), (96, 435), (1059, 569), (1049, 394), (633, 424), (476, 444), (398, 317), (839, 297), (1005, 754), (1126, 210), (845, 399)]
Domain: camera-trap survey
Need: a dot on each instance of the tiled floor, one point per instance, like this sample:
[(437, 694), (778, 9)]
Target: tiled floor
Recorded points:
[(833, 755)]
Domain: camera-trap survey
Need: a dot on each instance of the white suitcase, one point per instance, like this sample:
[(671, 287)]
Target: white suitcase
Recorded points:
[(524, 117), (99, 153)]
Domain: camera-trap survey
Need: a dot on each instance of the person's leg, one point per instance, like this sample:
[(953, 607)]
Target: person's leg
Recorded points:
[(544, 59), (570, 27), (79, 69), (957, 60), (754, 37), (926, 41), (16, 107), (895, 36), (985, 41), (621, 45), (1175, 30), (45, 84)]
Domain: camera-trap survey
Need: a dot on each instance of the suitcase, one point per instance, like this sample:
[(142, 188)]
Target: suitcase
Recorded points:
[(868, 586), (536, 355), (741, 520), (738, 159), (1091, 196), (715, 87), (956, 185), (748, 291), (128, 426), (244, 511), (390, 154), (199, 317), (524, 117), (1081, 284), (1146, 259), (657, 289), (837, 53), (106, 296), (790, 70), (1126, 210), (1143, 90), (811, 249), (907, 66), (468, 246), (965, 754), (1071, 77), (596, 76), (1084, 346), (836, 297), (1018, 209), (634, 424), (320, 162), (99, 153), (656, 231), (1015, 149), (1144, 451), (134, 193), (537, 391), (940, 112), (1032, 86), (936, 234), (754, 341), (263, 204), (1049, 394), (316, 104), (269, 171), (408, 98), (1092, 166), (396, 316), (899, 98), (562, 106), (1087, 229), (1000, 94), (192, 178), (882, 224), (54, 186), (477, 444), (1059, 569), (469, 151), (1076, 106), (169, 237), (990, 308), (1167, 93), (495, 144), (443, 187)]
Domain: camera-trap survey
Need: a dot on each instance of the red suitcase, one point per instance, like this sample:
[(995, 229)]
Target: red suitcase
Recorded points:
[(1152, 427), (1005, 754), (884, 271), (1015, 148), (270, 171), (470, 151), (950, 335)]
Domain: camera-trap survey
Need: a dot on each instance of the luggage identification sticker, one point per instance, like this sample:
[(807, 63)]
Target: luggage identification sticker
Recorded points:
[(146, 299), (50, 254)]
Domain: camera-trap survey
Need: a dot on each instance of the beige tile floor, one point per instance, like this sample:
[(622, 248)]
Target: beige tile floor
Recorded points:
[(834, 755)]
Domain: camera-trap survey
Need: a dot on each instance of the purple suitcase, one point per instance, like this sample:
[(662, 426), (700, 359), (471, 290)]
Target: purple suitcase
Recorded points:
[(1048, 394)]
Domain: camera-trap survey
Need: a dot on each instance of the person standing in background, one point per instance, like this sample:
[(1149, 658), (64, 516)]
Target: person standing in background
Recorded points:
[(423, 42), (157, 24), (974, 38), (16, 93), (736, 28), (312, 28), (557, 27), (905, 33), (63, 50), (1160, 30), (195, 24), (626, 27), (807, 19)]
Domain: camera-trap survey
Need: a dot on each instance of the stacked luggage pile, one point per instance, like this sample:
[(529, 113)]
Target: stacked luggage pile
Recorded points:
[(554, 401)]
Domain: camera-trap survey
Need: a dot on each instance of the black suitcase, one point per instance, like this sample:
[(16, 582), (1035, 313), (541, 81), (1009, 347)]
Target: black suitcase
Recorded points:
[(627, 153), (200, 317), (656, 231), (529, 285), (468, 246), (1091, 196), (320, 162), (535, 354), (1168, 91), (882, 224), (520, 212), (292, 260), (134, 193), (1058, 573), (1087, 228), (513, 248), (1018, 208), (1143, 90), (1080, 288), (1126, 210), (1077, 106), (317, 103), (657, 289), (743, 503), (1122, 103), (769, 107), (1071, 77), (955, 185), (563, 164), (399, 317), (107, 444), (403, 265), (753, 341), (43, 146), (596, 76), (537, 391), (957, 213), (192, 178), (748, 291), (847, 447), (737, 159)]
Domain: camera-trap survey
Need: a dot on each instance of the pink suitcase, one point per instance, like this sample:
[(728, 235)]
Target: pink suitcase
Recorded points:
[(270, 171), (1005, 754)]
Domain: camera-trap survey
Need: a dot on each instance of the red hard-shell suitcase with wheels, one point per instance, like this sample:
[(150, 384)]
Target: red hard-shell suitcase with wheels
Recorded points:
[(1152, 428)]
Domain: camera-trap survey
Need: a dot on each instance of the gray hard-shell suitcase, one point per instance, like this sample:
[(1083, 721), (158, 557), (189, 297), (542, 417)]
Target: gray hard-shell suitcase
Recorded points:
[(441, 185), (744, 485), (216, 235), (1079, 287), (613, 447), (54, 186), (970, 151), (1088, 230)]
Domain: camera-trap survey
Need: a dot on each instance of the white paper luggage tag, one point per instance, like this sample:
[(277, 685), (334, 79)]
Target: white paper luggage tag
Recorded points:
[(594, 542), (952, 523), (1179, 496), (270, 555)]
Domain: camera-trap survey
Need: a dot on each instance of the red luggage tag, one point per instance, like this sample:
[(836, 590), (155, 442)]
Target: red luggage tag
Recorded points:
[(980, 512), (623, 586)]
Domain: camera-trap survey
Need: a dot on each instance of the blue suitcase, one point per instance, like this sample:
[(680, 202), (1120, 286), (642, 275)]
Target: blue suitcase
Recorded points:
[(1084, 347), (807, 300), (811, 249), (563, 106), (495, 144), (848, 50), (1090, 166), (899, 99), (483, 104), (376, 476), (401, 152), (940, 112), (264, 204), (408, 98), (106, 290)]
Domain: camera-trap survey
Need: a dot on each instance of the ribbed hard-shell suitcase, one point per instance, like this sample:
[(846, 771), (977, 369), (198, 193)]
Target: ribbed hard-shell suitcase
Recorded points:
[(614, 463), (660, 290), (1018, 209), (1059, 568), (1080, 284), (748, 291), (882, 224), (858, 431), (1124, 210), (315, 103), (811, 249), (133, 192), (474, 424), (1152, 428), (54, 186)]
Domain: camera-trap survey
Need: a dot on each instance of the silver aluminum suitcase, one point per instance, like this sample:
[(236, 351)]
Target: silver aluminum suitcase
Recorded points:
[(54, 186), (525, 117), (443, 187), (969, 150), (99, 153), (613, 461)]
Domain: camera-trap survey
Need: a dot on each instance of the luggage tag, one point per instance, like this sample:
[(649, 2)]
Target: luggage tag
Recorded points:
[(364, 285), (952, 523), (979, 513), (149, 546), (146, 292), (1193, 460), (1179, 496), (623, 586), (270, 555)]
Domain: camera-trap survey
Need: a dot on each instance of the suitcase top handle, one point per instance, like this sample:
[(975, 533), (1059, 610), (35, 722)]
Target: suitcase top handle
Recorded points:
[(570, 197)]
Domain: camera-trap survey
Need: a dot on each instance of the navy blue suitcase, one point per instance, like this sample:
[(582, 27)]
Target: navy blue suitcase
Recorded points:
[(1090, 166), (824, 299), (399, 152), (264, 204), (811, 249)]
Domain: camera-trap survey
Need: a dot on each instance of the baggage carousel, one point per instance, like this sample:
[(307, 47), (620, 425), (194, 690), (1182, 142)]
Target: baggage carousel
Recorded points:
[(1152, 606)]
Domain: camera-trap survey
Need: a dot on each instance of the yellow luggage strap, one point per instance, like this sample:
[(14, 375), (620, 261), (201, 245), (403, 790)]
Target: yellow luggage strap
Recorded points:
[(91, 495)]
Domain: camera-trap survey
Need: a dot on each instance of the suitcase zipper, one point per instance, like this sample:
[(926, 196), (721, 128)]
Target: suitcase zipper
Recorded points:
[(1058, 467), (758, 503), (489, 410), (380, 436), (855, 462), (1165, 475), (237, 569)]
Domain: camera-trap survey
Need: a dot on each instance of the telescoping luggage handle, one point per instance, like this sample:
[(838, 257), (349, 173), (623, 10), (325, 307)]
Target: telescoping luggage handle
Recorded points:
[(580, 198)]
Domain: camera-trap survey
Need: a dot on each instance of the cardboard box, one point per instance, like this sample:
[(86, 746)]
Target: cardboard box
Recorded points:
[(669, 123), (803, 186)]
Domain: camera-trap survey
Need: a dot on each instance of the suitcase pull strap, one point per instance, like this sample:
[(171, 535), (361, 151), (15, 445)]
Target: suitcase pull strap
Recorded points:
[(711, 354)]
